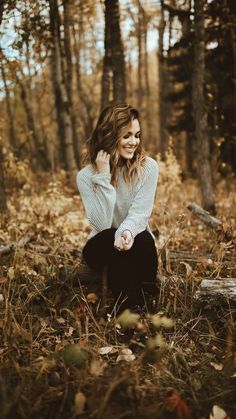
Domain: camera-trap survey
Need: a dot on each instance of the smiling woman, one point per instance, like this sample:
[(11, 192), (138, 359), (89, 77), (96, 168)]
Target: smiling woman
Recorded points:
[(117, 188)]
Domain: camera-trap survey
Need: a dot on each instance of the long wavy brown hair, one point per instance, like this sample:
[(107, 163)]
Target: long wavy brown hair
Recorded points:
[(113, 123)]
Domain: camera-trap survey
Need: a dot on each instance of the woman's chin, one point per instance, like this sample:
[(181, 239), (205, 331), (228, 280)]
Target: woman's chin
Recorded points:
[(127, 156)]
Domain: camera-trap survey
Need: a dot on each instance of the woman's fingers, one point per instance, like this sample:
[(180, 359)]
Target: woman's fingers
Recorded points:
[(103, 162), (121, 244)]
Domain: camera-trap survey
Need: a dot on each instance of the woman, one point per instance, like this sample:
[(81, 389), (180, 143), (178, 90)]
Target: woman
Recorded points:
[(118, 189)]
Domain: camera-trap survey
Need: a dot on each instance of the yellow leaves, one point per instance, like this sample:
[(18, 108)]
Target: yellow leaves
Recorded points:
[(155, 349), (97, 367), (162, 321), (80, 401), (92, 298), (11, 273), (127, 319)]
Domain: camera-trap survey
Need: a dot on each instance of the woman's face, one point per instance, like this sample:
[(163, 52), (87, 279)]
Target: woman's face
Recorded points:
[(130, 140)]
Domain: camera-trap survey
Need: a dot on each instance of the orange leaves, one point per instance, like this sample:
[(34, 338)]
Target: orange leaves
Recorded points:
[(177, 407)]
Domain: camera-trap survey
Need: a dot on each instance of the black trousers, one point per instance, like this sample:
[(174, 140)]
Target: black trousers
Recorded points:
[(131, 274)]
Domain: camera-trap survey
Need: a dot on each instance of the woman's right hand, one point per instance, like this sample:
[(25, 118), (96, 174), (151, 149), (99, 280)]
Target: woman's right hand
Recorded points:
[(103, 162)]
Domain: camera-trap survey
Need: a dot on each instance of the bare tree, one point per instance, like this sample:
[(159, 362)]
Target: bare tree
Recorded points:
[(200, 113)]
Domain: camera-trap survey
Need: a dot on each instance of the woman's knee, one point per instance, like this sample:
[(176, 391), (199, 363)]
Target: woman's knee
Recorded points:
[(144, 240), (99, 242)]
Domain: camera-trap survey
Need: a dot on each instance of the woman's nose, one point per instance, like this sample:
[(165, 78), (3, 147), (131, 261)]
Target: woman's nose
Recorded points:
[(132, 139)]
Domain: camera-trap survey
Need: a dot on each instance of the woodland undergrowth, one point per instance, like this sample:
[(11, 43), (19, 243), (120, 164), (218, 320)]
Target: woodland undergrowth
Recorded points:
[(63, 354)]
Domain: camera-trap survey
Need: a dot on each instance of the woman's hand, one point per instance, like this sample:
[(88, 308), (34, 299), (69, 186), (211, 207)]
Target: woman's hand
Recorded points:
[(125, 242), (103, 162)]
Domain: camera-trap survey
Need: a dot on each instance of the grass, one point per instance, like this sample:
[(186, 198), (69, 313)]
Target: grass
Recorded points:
[(182, 374)]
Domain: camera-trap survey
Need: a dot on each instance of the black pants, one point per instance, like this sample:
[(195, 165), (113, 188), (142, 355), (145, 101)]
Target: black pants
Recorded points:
[(131, 273)]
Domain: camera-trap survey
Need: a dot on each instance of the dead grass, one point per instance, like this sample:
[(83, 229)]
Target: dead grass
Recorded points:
[(43, 309)]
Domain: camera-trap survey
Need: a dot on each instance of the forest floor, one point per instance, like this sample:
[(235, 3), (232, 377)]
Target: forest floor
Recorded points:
[(188, 365)]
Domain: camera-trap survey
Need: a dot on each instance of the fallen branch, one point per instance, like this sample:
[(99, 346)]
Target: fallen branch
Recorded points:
[(204, 216), (197, 257), (8, 248)]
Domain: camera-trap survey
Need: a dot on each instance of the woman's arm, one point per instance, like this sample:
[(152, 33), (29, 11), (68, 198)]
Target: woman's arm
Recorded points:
[(142, 205), (99, 197)]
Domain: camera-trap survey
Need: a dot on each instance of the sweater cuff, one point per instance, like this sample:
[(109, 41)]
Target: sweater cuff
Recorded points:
[(119, 232)]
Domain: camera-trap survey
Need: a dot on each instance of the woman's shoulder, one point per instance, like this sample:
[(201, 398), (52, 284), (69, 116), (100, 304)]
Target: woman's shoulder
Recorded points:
[(150, 165), (86, 172)]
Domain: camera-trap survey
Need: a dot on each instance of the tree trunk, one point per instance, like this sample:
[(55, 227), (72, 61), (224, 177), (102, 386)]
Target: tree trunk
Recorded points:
[(233, 37), (200, 114), (107, 62), (69, 76), (55, 78), (113, 63), (3, 200), (118, 60), (161, 86), (65, 132), (11, 128)]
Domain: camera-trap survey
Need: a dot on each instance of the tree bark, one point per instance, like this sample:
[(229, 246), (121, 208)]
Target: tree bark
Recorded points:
[(161, 84), (3, 199), (113, 63), (65, 131), (200, 113), (107, 62), (11, 128), (69, 76)]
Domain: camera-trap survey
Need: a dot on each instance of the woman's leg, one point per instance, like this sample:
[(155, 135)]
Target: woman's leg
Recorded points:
[(130, 273)]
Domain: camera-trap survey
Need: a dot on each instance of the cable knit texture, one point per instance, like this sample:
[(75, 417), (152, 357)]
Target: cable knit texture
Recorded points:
[(124, 207)]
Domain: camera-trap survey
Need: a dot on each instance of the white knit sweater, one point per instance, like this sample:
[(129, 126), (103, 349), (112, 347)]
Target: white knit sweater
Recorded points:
[(123, 207)]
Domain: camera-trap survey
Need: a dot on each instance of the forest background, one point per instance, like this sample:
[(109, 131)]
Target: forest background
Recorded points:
[(61, 63)]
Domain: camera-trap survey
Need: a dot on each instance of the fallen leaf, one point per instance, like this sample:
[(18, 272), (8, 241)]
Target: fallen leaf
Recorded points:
[(61, 320), (126, 355), (175, 404), (92, 298), (97, 366), (218, 413), (188, 268), (218, 367), (80, 400), (105, 350)]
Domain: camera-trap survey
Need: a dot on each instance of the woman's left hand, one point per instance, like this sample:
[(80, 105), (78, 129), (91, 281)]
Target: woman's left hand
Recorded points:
[(125, 242)]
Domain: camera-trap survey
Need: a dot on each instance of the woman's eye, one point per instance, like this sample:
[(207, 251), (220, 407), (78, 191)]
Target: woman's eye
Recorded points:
[(126, 136)]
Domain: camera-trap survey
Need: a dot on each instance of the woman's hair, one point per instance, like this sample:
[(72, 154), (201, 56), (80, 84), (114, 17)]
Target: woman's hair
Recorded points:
[(113, 123)]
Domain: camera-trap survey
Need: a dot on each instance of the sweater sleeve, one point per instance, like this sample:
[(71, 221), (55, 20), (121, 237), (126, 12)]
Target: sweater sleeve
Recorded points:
[(142, 205), (99, 197)]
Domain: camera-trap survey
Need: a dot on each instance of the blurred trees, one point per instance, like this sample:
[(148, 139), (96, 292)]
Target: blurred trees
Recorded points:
[(68, 59)]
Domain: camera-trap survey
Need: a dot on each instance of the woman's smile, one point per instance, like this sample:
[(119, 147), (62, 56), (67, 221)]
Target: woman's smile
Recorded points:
[(130, 141)]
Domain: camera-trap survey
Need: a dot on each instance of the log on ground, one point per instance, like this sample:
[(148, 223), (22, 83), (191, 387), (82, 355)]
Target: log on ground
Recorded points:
[(217, 291)]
